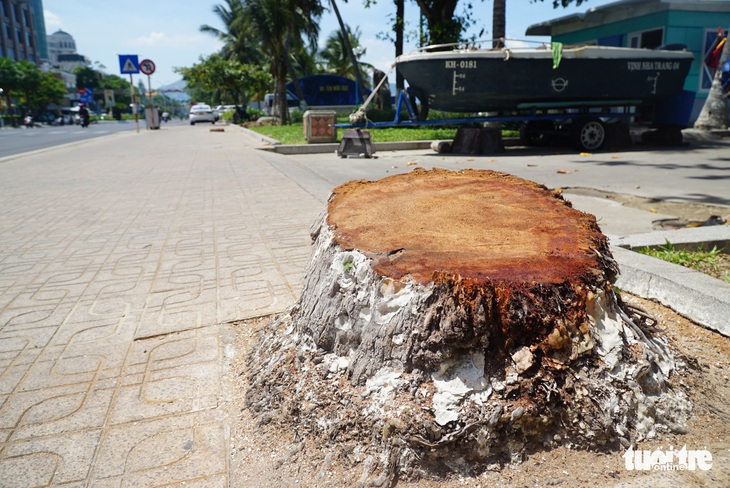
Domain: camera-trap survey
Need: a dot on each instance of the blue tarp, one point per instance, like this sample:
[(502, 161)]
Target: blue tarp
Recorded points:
[(321, 90)]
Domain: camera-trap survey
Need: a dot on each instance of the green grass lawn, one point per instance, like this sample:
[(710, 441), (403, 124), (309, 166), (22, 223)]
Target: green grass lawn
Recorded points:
[(294, 134)]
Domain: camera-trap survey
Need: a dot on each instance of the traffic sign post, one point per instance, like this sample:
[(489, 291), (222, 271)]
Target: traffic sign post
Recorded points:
[(129, 64), (86, 95), (147, 66)]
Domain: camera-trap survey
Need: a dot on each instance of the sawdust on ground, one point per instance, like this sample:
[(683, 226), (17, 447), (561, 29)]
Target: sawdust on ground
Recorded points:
[(263, 456)]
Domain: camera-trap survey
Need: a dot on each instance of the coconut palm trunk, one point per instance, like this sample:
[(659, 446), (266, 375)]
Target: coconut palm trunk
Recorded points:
[(714, 112), (499, 21)]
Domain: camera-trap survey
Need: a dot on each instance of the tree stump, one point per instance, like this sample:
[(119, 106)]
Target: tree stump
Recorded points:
[(460, 319)]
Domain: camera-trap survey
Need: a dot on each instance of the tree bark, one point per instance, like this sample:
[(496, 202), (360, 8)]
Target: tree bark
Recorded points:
[(398, 28), (499, 21), (461, 317), (713, 115)]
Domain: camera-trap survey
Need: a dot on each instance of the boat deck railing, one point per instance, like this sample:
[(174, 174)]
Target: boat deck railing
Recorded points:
[(475, 45)]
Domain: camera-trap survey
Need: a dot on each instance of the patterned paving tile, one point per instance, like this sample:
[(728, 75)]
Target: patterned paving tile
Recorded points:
[(115, 272)]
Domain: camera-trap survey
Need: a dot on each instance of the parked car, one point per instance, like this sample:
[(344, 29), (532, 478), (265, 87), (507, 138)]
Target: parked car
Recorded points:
[(201, 113), (218, 111)]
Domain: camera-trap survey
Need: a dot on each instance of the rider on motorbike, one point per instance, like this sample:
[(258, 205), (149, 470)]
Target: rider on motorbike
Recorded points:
[(84, 115)]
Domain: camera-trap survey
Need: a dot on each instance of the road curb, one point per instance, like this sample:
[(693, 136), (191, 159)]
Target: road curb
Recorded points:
[(694, 295)]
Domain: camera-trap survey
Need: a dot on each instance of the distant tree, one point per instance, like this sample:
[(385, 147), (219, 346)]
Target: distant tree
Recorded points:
[(9, 79), (50, 90), (113, 82), (217, 79), (444, 26), (87, 78), (305, 61), (337, 60), (238, 38), (29, 78), (26, 83), (280, 25), (266, 33)]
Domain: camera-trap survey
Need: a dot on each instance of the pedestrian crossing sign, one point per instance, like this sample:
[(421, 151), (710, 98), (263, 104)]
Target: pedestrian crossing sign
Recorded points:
[(129, 64)]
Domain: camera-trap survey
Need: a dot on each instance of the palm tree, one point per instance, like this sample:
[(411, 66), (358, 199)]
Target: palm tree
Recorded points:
[(337, 60), (280, 25), (239, 40)]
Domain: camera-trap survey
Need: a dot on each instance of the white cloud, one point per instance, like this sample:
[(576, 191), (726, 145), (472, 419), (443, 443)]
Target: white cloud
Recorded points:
[(53, 22), (160, 39)]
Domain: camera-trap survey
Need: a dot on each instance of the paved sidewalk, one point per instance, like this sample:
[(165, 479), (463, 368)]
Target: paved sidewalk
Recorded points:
[(119, 258)]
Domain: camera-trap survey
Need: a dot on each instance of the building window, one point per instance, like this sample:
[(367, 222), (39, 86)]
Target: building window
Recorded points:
[(650, 39), (8, 32), (26, 18)]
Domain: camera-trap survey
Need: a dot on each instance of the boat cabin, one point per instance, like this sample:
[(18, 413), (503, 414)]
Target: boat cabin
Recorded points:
[(649, 24)]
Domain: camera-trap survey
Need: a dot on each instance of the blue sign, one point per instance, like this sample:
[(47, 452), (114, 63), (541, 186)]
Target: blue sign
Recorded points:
[(87, 96), (129, 64)]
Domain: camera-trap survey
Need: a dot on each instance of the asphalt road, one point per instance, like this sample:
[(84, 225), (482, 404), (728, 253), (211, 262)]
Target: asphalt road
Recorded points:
[(20, 140)]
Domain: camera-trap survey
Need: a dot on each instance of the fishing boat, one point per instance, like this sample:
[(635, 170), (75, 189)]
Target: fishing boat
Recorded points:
[(470, 80)]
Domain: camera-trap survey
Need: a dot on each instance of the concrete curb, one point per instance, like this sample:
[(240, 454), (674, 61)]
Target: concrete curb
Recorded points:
[(690, 238), (698, 297), (692, 294), (332, 147)]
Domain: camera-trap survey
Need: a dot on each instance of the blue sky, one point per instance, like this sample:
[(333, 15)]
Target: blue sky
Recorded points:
[(168, 31)]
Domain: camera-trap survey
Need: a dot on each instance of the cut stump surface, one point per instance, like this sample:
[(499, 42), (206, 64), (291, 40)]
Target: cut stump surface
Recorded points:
[(478, 225)]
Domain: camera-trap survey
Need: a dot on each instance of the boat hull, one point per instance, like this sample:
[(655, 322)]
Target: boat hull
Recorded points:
[(497, 80)]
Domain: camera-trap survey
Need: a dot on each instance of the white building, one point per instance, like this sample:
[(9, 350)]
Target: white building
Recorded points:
[(62, 52)]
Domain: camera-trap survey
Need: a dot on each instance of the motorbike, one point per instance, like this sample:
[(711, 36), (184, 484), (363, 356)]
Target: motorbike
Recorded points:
[(28, 122)]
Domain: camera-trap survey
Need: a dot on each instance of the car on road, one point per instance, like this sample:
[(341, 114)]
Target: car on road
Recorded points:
[(201, 113), (218, 111)]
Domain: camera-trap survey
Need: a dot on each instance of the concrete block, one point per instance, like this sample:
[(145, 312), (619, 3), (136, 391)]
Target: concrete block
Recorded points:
[(319, 126)]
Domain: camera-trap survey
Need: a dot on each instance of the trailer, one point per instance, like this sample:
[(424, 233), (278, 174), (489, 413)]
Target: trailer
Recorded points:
[(586, 124)]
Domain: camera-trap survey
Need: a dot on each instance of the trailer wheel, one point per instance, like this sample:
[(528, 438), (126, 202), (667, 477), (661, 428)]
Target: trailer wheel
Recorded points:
[(589, 134)]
